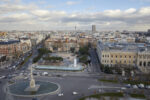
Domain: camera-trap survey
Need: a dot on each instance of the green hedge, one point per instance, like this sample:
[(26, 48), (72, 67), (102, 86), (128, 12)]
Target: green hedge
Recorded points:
[(111, 81), (137, 95)]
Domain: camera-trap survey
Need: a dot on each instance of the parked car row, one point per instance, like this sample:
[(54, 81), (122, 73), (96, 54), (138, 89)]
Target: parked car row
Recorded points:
[(138, 86)]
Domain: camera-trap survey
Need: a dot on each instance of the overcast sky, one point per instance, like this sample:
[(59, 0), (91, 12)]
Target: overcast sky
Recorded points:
[(66, 14)]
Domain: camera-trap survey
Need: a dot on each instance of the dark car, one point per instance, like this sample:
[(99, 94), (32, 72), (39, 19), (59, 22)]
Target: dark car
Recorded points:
[(34, 99)]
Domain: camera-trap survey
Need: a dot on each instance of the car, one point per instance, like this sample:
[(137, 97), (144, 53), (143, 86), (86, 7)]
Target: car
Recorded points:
[(135, 86), (60, 94), (45, 73), (128, 85), (141, 86), (147, 87), (34, 73), (2, 77), (123, 88), (74, 93), (34, 99)]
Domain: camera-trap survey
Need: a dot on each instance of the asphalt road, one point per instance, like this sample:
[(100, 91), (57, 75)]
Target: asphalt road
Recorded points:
[(83, 85), (95, 66)]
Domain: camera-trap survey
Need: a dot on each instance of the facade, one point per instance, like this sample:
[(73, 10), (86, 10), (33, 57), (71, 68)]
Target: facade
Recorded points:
[(25, 45), (122, 54), (9, 48), (15, 47), (61, 45)]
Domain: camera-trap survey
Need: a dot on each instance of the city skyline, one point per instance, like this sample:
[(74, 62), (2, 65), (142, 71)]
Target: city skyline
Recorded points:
[(131, 15)]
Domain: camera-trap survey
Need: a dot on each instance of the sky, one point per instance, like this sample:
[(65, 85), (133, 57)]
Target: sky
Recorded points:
[(131, 15)]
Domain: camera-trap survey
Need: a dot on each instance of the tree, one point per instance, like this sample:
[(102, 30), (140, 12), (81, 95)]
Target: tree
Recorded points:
[(84, 50), (84, 59), (108, 70)]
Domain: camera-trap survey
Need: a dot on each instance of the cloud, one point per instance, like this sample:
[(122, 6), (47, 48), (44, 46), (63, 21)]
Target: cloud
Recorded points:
[(71, 3), (31, 16)]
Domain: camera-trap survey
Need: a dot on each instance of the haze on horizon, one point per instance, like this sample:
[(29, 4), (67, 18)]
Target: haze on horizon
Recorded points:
[(66, 14)]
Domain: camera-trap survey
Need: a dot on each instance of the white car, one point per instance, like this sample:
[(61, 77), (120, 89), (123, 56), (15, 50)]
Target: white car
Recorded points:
[(74, 93), (135, 86), (2, 77), (141, 85), (123, 88), (60, 94)]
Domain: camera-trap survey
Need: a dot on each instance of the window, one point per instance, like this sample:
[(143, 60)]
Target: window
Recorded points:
[(144, 64), (103, 55), (129, 56), (144, 56), (140, 56), (125, 61), (149, 64), (111, 61), (116, 56), (140, 63), (125, 56), (120, 56), (112, 56)]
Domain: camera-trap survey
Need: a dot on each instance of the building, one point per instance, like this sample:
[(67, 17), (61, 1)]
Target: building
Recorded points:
[(148, 31), (61, 45), (124, 54), (93, 28), (3, 34), (9, 48), (25, 45)]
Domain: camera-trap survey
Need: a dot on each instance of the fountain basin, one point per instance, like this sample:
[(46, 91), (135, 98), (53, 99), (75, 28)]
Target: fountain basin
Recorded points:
[(63, 68), (46, 88)]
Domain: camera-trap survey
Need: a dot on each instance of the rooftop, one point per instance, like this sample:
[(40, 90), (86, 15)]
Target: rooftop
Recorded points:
[(127, 47)]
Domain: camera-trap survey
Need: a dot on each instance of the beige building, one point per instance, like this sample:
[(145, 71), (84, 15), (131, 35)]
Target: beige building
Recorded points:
[(61, 45), (112, 54)]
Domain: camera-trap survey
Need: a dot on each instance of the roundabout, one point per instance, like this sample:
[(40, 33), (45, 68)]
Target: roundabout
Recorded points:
[(32, 88), (46, 88)]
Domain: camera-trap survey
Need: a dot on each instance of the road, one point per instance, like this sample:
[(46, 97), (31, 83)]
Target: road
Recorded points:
[(95, 66), (69, 84)]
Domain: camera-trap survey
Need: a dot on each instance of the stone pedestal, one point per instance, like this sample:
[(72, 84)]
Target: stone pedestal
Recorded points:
[(32, 89)]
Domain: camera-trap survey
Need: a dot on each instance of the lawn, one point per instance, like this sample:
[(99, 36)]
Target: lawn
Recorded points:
[(137, 96)]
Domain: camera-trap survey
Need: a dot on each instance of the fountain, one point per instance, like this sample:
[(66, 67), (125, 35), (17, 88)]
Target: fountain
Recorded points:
[(32, 88), (75, 62), (72, 67)]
